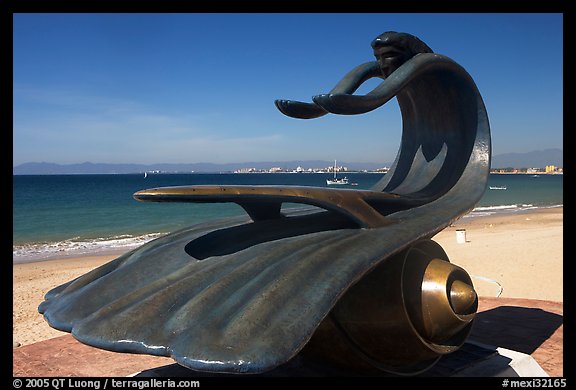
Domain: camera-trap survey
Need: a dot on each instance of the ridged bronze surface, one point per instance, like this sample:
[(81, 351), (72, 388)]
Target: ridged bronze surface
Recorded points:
[(245, 295)]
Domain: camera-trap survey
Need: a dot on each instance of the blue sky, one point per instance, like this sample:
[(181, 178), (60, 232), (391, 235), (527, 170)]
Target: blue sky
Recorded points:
[(185, 88)]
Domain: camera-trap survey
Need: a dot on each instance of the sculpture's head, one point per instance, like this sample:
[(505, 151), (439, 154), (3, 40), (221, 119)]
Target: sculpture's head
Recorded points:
[(392, 49)]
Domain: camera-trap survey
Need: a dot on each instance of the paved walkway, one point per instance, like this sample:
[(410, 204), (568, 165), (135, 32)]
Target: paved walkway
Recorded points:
[(529, 326)]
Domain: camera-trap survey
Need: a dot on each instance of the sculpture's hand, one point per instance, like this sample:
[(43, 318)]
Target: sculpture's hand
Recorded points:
[(346, 104), (299, 110), (351, 81)]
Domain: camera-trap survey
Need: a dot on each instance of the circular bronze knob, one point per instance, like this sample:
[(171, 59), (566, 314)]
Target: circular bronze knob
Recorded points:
[(447, 297), (462, 297)]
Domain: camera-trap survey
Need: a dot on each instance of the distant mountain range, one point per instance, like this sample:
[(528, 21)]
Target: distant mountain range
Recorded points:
[(535, 159)]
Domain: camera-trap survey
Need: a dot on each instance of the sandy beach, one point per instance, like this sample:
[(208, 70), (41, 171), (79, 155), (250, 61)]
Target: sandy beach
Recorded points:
[(516, 255)]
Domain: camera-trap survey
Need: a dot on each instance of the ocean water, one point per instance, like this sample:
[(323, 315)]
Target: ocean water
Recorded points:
[(61, 215)]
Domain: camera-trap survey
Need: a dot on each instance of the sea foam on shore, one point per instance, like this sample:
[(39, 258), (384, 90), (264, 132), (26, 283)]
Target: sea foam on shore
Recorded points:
[(77, 247)]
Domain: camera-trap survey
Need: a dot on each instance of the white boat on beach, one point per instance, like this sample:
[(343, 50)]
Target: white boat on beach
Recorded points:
[(336, 180), (497, 188)]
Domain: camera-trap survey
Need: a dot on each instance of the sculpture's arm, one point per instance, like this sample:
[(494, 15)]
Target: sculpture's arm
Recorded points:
[(354, 79), (337, 102), (348, 104), (349, 83)]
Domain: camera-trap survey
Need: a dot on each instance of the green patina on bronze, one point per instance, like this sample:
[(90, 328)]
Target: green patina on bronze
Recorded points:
[(356, 279)]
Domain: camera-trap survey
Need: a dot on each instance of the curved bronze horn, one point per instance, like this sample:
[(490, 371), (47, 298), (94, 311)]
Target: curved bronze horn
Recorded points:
[(403, 316)]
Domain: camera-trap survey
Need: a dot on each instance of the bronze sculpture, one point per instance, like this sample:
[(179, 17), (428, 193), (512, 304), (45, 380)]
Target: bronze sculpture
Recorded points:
[(246, 296)]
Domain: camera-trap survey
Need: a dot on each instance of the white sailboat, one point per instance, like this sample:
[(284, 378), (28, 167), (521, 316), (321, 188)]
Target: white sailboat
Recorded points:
[(336, 180)]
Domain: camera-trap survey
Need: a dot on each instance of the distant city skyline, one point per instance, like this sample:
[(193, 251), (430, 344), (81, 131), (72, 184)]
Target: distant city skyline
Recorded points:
[(536, 160), (188, 88)]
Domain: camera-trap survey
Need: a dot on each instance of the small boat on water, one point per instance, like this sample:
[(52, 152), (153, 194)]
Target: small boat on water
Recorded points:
[(497, 187), (336, 180)]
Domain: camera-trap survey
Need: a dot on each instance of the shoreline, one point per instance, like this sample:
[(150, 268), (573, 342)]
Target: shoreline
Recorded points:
[(511, 255), (107, 252), (88, 247)]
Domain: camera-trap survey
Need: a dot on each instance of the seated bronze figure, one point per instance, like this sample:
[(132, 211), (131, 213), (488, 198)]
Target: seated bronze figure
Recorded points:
[(359, 269)]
